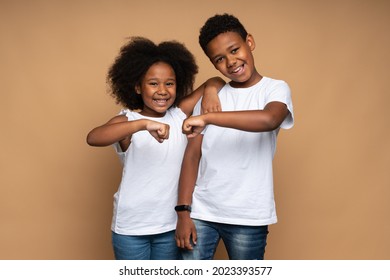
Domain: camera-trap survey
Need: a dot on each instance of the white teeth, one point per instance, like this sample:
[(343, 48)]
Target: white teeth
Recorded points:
[(237, 70), (161, 101)]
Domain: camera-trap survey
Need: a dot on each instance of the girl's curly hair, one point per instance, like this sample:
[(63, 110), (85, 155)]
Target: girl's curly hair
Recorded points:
[(220, 24), (134, 60)]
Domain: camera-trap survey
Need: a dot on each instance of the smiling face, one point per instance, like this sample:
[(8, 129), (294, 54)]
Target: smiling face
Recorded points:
[(158, 90), (232, 56)]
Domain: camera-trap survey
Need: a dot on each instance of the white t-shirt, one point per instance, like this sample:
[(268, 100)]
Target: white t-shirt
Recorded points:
[(144, 203), (235, 180)]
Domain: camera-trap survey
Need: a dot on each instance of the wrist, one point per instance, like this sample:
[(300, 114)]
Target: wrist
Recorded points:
[(207, 118), (142, 124), (183, 207), (147, 125), (183, 215)]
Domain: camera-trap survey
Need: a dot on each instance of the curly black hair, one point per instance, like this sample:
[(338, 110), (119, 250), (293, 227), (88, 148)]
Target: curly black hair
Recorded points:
[(134, 60), (220, 24)]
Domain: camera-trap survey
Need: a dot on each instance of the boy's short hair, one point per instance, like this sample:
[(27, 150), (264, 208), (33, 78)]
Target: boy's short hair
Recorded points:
[(220, 24)]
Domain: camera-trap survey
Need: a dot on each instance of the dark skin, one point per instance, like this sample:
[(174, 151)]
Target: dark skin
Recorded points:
[(232, 56), (158, 84)]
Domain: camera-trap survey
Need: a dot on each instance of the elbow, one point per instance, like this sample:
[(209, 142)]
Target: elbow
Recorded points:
[(274, 125), (271, 124), (91, 141)]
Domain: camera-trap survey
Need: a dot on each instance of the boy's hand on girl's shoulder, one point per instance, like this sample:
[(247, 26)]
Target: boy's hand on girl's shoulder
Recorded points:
[(160, 131), (210, 100), (210, 103)]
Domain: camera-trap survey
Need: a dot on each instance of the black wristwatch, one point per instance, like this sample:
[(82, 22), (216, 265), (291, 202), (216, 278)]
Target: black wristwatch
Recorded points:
[(180, 208)]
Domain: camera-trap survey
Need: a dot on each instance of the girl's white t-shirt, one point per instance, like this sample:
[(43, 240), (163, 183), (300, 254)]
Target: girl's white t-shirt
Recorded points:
[(235, 181), (144, 203)]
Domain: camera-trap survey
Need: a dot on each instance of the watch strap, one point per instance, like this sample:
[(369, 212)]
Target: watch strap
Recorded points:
[(180, 208)]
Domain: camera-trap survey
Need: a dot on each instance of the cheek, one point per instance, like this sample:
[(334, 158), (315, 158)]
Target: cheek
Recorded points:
[(172, 93), (218, 66)]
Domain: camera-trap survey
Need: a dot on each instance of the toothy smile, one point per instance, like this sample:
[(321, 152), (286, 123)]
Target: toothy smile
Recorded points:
[(161, 102), (238, 70)]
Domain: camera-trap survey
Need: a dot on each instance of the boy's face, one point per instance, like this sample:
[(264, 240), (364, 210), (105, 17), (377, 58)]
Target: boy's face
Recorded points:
[(232, 56)]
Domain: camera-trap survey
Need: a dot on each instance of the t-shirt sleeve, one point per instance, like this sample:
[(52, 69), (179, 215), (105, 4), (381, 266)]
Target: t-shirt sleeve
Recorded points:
[(281, 92), (196, 111), (177, 112), (121, 154)]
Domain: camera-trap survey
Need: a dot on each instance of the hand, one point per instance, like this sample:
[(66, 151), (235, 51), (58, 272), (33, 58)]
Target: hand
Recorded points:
[(210, 100), (160, 131), (193, 126), (210, 103), (185, 231)]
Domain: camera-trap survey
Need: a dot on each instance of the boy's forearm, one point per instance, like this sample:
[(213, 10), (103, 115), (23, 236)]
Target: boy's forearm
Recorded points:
[(252, 121), (211, 86), (187, 182), (215, 82), (189, 172)]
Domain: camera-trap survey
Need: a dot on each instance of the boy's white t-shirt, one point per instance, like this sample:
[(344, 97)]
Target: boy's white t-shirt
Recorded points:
[(144, 203), (235, 181)]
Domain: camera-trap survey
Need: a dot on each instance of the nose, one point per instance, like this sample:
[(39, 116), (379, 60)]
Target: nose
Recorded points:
[(230, 61), (162, 89)]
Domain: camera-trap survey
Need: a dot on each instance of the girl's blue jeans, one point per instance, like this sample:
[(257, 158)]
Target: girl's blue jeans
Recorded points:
[(145, 247), (241, 242)]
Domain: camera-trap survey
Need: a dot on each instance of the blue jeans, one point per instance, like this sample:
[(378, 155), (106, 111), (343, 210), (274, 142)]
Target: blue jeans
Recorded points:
[(145, 247), (241, 242)]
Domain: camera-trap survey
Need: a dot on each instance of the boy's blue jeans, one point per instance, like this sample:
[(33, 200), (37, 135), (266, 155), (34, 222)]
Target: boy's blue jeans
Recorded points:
[(241, 242), (145, 247)]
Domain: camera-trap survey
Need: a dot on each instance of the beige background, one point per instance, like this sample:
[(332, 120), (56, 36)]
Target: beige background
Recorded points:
[(331, 170)]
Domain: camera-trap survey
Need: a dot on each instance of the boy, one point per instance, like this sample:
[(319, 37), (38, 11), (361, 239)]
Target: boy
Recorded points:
[(226, 184)]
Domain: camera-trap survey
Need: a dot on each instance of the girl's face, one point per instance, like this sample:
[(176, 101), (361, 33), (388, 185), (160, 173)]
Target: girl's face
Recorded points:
[(157, 89), (232, 56)]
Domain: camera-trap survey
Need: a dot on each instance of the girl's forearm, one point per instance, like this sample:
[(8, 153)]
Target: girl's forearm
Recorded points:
[(111, 133)]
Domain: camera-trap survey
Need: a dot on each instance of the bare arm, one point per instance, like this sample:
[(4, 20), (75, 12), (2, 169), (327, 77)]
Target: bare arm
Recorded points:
[(185, 228), (209, 90), (119, 129), (267, 119)]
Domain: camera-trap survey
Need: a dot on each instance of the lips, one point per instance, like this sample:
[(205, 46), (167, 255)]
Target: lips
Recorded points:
[(160, 102), (237, 70)]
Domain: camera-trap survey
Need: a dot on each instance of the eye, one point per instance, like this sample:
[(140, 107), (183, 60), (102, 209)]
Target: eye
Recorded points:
[(234, 50), (153, 84), (170, 84), (218, 60)]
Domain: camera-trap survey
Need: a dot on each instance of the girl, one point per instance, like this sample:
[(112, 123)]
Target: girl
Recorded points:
[(155, 80)]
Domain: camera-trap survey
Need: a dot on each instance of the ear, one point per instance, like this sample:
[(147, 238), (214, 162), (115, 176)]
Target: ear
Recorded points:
[(138, 89), (251, 42)]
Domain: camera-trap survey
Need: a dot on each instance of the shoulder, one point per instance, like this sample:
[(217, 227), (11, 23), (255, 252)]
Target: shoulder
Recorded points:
[(274, 84), (176, 112), (123, 116), (129, 115), (118, 119)]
